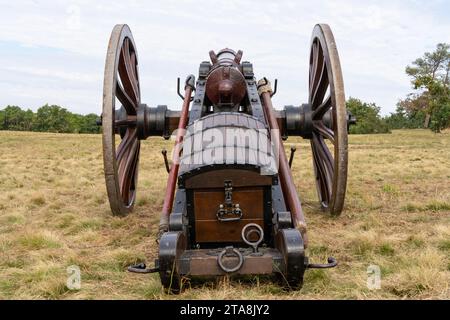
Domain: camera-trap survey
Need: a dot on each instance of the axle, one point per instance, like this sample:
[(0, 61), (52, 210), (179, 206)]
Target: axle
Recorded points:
[(161, 122)]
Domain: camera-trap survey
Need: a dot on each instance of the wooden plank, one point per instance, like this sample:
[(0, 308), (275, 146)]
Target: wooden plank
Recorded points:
[(206, 202), (216, 178), (216, 231)]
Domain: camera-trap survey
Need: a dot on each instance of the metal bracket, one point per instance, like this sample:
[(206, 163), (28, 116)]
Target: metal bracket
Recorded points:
[(291, 157), (99, 120), (275, 87), (229, 211), (178, 89), (331, 264), (351, 120), (166, 161), (283, 219), (142, 268)]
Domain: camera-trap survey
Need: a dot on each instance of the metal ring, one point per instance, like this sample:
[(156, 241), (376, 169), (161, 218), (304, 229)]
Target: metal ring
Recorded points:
[(234, 269), (258, 229)]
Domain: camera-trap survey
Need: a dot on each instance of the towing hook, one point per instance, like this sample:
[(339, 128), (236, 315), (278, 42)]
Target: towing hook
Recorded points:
[(142, 268), (230, 251), (331, 264)]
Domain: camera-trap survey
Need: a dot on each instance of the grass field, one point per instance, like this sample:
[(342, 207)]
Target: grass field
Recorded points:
[(54, 213)]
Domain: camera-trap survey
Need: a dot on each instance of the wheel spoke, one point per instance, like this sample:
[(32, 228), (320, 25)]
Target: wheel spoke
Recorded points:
[(312, 63), (323, 130), (320, 110), (124, 98), (125, 144), (320, 88), (326, 155), (126, 152), (318, 63), (126, 170), (321, 177), (322, 190), (325, 160), (127, 75), (135, 71)]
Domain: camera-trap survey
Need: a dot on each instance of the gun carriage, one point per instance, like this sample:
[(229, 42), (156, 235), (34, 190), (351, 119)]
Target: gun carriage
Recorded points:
[(231, 206)]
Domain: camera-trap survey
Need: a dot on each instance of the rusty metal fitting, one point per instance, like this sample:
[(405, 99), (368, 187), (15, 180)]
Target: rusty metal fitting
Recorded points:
[(264, 86), (249, 229), (230, 251), (301, 226)]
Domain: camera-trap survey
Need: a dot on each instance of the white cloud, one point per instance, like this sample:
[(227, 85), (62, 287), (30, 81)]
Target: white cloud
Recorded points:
[(54, 50)]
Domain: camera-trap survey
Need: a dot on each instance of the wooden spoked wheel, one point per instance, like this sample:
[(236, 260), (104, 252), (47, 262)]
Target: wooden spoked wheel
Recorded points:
[(121, 84), (329, 140)]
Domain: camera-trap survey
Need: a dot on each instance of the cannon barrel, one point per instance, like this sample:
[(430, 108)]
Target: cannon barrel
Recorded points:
[(225, 84)]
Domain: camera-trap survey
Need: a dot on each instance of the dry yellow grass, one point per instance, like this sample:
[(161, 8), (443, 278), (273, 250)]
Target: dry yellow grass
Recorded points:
[(54, 213)]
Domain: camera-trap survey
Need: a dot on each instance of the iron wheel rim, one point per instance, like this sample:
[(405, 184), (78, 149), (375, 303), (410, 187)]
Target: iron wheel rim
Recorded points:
[(121, 82), (325, 76)]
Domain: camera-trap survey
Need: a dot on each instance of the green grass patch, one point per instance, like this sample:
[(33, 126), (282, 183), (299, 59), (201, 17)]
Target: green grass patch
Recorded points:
[(361, 247), (121, 259), (444, 245), (12, 219), (389, 189), (411, 207), (8, 287), (434, 206), (18, 262), (317, 249), (54, 289), (66, 221), (142, 201), (408, 291), (437, 206), (386, 249), (415, 242), (37, 242)]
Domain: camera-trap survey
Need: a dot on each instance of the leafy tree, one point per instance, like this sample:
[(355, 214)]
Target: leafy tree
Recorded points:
[(430, 75), (89, 124), (405, 117), (52, 119), (28, 120), (434, 66), (440, 107), (14, 118), (75, 122), (49, 118), (368, 119)]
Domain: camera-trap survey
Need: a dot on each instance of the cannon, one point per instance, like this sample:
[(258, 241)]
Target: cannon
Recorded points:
[(231, 206)]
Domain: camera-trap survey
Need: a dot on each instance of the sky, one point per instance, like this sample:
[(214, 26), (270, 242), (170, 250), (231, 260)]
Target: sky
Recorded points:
[(54, 51)]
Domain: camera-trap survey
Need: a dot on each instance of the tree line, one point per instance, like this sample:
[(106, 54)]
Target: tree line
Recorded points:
[(48, 118), (369, 120), (428, 106)]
